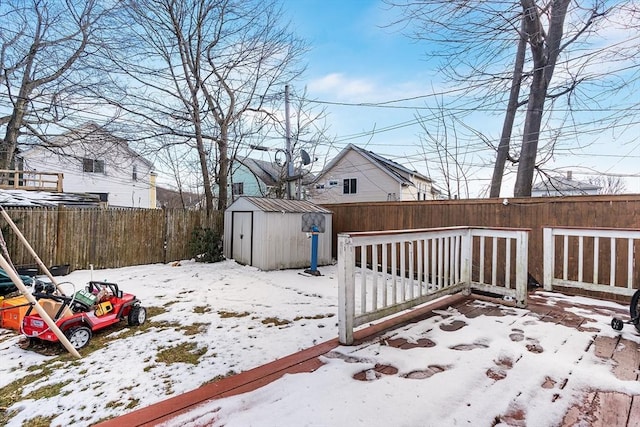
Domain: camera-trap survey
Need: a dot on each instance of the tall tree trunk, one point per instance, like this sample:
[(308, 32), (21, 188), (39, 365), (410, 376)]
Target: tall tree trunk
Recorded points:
[(223, 161), (512, 108), (545, 49)]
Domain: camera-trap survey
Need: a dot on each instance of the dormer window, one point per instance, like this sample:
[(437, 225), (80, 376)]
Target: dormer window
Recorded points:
[(92, 165)]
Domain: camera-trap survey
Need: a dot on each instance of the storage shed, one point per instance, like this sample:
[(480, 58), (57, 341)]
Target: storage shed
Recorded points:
[(268, 233)]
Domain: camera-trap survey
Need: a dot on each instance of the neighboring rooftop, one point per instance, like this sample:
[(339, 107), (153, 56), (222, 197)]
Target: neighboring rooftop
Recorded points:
[(564, 185), (399, 172), (45, 198)]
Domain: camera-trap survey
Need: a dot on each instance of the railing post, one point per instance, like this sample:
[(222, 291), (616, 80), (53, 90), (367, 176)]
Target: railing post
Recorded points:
[(548, 257), (522, 267), (466, 253), (346, 289)]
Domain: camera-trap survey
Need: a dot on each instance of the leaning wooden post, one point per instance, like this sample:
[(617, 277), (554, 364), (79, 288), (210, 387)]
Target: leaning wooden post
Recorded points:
[(24, 241), (48, 320)]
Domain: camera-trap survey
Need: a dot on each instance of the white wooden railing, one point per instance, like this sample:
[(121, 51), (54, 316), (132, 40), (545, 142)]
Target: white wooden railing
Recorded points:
[(31, 180), (583, 254), (384, 273)]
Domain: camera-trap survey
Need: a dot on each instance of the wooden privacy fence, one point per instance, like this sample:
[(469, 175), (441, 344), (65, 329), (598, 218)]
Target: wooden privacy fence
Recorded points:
[(610, 211), (592, 259), (383, 273), (104, 238)]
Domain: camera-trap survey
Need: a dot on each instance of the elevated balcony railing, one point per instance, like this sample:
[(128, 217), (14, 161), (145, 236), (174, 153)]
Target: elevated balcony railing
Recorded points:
[(31, 180), (600, 259), (384, 273)]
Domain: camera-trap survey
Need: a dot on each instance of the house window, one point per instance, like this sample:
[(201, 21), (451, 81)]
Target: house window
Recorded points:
[(237, 188), (92, 165), (333, 183), (135, 173), (319, 186), (349, 186)]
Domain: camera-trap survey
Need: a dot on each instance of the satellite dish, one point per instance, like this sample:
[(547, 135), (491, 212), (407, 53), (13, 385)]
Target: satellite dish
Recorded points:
[(305, 157)]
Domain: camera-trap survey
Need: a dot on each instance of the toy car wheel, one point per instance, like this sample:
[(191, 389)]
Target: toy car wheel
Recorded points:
[(634, 309), (79, 336), (617, 324), (137, 316)]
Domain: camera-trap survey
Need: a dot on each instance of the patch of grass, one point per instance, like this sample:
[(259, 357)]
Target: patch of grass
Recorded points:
[(275, 321), (181, 353), (38, 421), (220, 377), (113, 404), (5, 416), (154, 311), (201, 309), (194, 329), (7, 335), (169, 304), (12, 392), (132, 403), (316, 317), (47, 391), (227, 314)]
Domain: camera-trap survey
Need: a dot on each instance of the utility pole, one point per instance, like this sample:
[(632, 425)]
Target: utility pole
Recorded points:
[(287, 127)]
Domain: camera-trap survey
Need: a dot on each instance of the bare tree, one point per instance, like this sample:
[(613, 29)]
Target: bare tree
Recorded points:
[(44, 46), (204, 73), (558, 60), (439, 144), (608, 184)]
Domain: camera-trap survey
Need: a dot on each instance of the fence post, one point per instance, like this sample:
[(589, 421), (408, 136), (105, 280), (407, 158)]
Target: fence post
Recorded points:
[(548, 257), (346, 289), (522, 267)]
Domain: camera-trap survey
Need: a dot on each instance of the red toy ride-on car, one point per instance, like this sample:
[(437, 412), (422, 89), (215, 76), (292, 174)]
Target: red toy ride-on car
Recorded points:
[(98, 306)]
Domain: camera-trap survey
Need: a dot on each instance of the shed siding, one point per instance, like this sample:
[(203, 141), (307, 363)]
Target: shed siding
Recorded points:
[(278, 239)]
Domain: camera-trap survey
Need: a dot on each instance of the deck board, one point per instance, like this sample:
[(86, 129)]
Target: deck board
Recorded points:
[(596, 408)]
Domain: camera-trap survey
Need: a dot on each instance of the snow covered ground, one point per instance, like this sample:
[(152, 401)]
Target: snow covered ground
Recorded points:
[(231, 318), (234, 317)]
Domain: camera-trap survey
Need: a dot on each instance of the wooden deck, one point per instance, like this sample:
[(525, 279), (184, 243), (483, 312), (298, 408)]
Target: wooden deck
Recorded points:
[(598, 408)]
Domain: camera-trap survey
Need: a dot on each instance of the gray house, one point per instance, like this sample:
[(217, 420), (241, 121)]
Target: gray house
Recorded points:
[(563, 186), (268, 233)]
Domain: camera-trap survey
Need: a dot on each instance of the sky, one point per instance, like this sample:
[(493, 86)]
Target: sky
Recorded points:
[(355, 57), (232, 308)]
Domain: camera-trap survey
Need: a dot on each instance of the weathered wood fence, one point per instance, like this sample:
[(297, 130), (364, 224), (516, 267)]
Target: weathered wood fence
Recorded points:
[(104, 238), (619, 211)]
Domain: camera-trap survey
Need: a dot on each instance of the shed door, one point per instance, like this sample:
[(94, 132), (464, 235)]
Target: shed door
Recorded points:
[(242, 237)]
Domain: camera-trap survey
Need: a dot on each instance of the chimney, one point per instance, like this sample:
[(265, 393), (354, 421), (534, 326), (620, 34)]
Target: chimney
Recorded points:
[(569, 175)]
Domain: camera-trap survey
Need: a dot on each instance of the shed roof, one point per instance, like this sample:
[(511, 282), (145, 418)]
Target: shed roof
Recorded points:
[(284, 205)]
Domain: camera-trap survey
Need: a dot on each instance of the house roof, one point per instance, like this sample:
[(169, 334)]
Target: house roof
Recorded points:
[(92, 133), (283, 205), (45, 198), (560, 184), (174, 199), (395, 170), (270, 173), (267, 172)]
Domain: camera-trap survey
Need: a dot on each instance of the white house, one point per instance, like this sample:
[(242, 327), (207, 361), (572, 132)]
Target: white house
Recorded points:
[(563, 186), (358, 175), (96, 162)]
